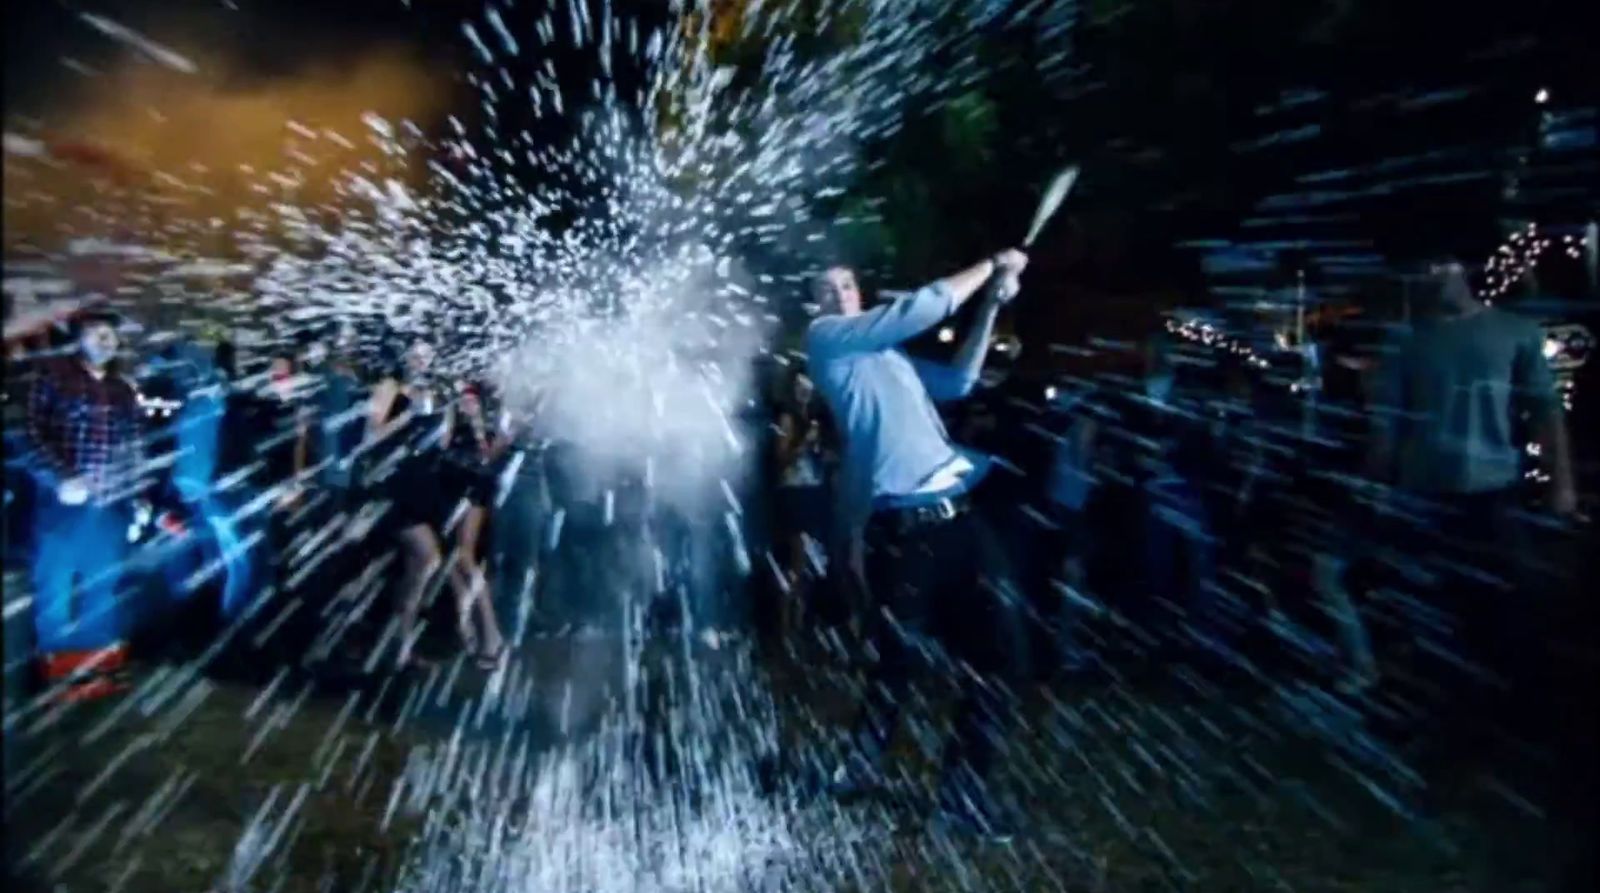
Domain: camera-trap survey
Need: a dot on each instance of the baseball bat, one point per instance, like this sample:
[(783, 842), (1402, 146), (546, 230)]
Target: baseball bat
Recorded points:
[(1056, 193)]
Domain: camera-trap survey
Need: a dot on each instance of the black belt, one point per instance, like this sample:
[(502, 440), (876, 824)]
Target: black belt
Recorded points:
[(903, 519)]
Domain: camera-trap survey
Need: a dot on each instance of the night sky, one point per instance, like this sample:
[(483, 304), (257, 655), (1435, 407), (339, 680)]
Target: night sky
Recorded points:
[(1168, 138)]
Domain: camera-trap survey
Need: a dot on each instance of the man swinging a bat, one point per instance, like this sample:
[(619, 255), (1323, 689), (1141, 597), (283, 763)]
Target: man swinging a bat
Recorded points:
[(931, 561)]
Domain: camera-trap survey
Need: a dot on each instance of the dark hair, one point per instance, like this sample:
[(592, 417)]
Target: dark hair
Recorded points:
[(284, 350), (816, 289), (87, 320), (1444, 273), (389, 361), (817, 282), (226, 357), (1431, 263), (304, 339)]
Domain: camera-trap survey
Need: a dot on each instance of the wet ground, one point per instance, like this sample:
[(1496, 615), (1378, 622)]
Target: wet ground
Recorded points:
[(588, 763)]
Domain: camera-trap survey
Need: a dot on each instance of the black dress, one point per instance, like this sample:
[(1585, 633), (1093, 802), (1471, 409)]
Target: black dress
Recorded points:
[(467, 475), (415, 490)]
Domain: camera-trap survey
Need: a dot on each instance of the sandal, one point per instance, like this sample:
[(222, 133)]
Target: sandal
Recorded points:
[(413, 663), (489, 660)]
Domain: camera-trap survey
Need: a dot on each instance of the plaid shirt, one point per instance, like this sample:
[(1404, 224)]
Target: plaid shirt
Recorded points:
[(86, 427)]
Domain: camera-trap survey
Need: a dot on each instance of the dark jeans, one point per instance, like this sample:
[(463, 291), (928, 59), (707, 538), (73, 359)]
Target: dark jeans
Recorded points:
[(804, 510), (943, 599), (1487, 633), (1180, 559), (1050, 547)]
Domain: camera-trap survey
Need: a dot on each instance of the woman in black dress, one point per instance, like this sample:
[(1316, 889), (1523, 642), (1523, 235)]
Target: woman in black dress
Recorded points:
[(803, 461), (473, 452), (407, 428)]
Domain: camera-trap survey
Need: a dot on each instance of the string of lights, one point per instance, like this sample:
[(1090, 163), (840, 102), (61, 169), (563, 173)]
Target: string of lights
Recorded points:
[(1513, 260), (1519, 256), (1210, 336)]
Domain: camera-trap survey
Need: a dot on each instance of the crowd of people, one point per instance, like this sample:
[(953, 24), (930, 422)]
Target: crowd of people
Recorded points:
[(1297, 503), (176, 499), (1312, 508)]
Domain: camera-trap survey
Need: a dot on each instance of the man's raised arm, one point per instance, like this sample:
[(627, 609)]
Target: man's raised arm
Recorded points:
[(901, 320), (956, 380)]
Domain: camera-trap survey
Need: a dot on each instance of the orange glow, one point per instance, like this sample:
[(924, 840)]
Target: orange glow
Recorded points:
[(171, 160)]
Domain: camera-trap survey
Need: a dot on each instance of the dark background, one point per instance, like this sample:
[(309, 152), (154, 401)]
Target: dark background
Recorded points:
[(1171, 96)]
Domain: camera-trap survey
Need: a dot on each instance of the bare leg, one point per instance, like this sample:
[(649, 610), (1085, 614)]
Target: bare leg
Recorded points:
[(794, 601), (421, 549), (460, 580), (472, 584)]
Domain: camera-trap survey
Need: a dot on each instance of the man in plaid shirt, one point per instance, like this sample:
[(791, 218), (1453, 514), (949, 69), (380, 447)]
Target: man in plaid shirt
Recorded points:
[(84, 424)]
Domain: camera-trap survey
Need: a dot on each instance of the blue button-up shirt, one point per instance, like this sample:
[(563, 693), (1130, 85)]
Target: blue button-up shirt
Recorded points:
[(883, 399)]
